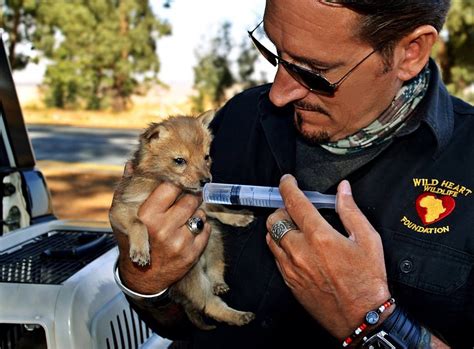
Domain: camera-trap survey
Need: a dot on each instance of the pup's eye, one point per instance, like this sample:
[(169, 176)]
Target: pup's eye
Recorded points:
[(180, 161), (207, 157)]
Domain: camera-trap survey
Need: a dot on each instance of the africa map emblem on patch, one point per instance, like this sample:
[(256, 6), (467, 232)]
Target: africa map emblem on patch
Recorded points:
[(432, 208), (436, 202)]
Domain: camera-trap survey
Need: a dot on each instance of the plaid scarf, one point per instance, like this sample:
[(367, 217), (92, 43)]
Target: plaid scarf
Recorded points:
[(389, 122)]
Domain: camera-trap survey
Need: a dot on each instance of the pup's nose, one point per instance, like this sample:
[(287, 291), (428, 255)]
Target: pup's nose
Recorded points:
[(204, 181)]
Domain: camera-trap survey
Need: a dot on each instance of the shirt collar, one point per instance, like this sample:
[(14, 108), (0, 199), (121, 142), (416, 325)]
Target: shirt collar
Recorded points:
[(436, 111), (279, 131)]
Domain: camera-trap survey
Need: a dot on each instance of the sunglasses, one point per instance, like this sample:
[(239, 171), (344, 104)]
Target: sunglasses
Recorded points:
[(313, 81)]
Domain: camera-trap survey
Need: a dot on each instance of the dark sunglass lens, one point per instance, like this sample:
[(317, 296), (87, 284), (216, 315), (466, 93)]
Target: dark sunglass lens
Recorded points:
[(309, 79), (316, 82), (270, 57)]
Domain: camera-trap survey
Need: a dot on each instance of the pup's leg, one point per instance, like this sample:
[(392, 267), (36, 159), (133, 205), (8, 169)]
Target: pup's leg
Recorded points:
[(139, 244), (214, 257), (219, 310), (195, 317), (236, 218), (124, 218), (197, 288)]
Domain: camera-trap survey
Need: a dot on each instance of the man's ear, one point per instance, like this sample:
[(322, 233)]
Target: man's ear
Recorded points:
[(207, 117), (413, 51)]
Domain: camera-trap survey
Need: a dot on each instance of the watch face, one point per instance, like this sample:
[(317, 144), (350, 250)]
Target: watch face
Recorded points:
[(379, 345), (372, 317), (378, 341)]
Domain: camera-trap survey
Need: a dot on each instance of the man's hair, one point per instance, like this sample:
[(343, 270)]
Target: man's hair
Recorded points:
[(385, 22)]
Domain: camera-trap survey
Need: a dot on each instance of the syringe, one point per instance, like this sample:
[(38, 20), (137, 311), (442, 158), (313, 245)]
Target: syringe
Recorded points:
[(250, 195)]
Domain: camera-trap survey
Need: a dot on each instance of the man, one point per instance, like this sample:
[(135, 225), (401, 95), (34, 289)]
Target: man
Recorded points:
[(355, 100)]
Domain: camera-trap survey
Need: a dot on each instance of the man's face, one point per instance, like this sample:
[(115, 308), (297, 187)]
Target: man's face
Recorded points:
[(323, 38)]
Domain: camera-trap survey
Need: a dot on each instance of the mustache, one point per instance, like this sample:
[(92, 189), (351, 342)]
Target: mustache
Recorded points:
[(311, 107)]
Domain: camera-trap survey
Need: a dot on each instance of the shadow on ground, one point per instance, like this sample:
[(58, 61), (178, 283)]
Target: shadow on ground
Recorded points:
[(81, 193)]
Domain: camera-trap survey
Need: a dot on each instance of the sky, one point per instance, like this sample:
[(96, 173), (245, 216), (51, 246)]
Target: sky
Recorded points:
[(193, 23)]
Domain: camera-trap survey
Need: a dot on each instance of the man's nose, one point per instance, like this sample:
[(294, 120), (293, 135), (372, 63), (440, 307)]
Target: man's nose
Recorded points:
[(286, 89)]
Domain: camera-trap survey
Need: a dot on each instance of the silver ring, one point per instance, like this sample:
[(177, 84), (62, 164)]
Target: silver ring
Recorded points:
[(280, 228), (195, 225)]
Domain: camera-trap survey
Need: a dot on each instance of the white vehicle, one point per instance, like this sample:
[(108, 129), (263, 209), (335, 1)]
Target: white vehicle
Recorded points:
[(57, 289)]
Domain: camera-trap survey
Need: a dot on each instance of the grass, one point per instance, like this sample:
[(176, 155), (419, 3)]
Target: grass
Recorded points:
[(137, 117)]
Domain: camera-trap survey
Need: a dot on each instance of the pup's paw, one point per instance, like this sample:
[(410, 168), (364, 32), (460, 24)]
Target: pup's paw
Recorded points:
[(140, 256), (245, 318), (242, 218), (220, 288)]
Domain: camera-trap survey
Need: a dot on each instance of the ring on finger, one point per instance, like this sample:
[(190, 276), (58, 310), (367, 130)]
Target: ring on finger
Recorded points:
[(195, 225), (280, 228)]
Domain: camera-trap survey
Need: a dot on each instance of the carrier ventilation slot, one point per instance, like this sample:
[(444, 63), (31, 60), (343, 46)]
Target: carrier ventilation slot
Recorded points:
[(127, 331), (53, 257)]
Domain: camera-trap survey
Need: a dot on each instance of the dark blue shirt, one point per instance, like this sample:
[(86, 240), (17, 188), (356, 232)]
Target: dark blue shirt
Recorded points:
[(417, 193)]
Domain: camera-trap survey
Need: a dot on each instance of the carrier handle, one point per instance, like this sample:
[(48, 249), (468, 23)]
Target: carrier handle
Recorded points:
[(78, 251)]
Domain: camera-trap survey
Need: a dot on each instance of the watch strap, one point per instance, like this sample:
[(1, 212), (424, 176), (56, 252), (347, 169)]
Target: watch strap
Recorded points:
[(404, 329)]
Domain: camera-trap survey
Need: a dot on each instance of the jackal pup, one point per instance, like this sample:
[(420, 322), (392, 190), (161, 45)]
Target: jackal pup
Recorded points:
[(177, 151)]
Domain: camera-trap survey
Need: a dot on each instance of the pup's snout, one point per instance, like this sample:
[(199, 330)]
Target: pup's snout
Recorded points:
[(204, 181)]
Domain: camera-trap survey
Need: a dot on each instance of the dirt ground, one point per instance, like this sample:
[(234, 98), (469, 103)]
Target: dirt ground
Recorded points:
[(80, 191)]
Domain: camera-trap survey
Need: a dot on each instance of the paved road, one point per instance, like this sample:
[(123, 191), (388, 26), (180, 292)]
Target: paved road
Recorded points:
[(89, 145)]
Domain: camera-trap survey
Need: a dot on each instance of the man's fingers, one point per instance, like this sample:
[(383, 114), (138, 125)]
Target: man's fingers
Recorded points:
[(280, 254), (160, 200), (354, 221), (276, 216), (184, 208), (301, 210), (200, 240)]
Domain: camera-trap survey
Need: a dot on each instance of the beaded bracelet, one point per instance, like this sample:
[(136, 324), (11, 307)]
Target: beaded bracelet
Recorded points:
[(371, 318)]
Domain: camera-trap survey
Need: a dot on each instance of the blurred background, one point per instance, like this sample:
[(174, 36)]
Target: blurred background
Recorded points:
[(90, 74)]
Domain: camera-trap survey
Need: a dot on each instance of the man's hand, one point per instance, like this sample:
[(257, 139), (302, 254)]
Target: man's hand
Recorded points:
[(173, 248), (337, 279)]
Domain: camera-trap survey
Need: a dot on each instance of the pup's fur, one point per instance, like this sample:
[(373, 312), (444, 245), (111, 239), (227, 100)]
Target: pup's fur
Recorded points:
[(177, 151)]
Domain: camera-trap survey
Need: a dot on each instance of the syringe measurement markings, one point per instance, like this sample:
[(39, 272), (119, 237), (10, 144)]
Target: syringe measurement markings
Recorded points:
[(269, 197), (220, 198)]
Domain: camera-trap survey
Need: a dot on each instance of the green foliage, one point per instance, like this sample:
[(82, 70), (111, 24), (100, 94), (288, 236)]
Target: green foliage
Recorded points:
[(213, 73), (246, 63), (17, 19), (101, 51), (455, 51)]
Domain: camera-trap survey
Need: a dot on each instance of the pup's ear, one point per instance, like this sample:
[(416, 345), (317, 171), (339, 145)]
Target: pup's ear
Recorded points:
[(154, 131), (207, 117)]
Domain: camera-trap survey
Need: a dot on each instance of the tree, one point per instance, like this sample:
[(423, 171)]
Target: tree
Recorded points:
[(455, 50), (17, 19), (246, 63), (102, 51), (212, 74)]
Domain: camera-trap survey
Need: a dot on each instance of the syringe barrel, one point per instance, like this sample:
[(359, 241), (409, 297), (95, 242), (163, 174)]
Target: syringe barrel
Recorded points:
[(249, 195)]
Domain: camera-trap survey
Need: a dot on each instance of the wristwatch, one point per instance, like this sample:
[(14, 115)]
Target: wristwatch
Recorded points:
[(382, 340)]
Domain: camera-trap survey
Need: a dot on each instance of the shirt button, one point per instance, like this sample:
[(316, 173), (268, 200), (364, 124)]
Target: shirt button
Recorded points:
[(406, 266)]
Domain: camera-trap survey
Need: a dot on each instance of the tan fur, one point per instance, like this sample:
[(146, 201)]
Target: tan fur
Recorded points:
[(154, 162)]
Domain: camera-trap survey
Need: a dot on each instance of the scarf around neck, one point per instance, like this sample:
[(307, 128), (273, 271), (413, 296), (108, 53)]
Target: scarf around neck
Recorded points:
[(389, 122)]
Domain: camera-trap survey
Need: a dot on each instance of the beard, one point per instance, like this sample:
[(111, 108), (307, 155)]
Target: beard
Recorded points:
[(311, 138)]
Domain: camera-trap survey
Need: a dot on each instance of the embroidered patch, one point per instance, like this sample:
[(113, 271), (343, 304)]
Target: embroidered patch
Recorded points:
[(432, 208), (436, 201)]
